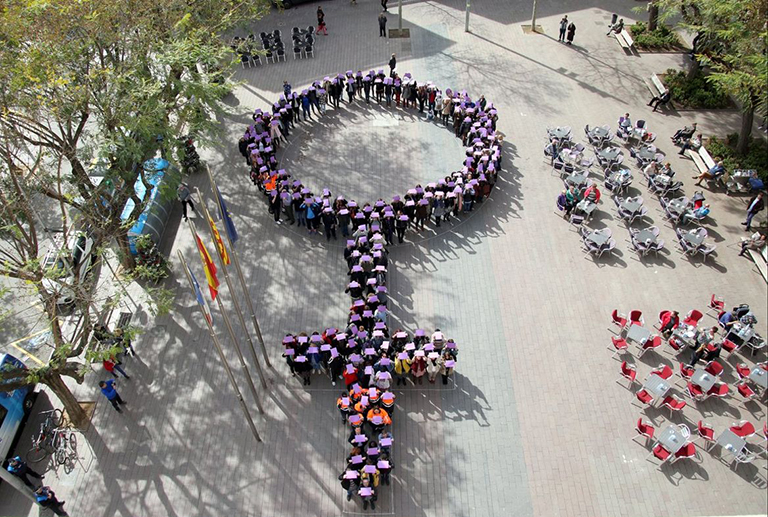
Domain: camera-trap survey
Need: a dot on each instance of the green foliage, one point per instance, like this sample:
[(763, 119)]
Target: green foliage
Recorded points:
[(161, 300), (756, 157), (663, 38), (699, 92)]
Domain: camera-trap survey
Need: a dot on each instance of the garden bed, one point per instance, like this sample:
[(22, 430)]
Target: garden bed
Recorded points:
[(696, 93), (756, 157), (663, 39)]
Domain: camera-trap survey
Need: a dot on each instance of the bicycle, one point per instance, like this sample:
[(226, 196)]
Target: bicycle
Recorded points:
[(42, 444), (65, 445)]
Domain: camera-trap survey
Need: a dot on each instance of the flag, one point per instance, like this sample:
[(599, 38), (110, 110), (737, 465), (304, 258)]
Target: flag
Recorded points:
[(208, 265), (219, 242), (229, 225), (200, 298)]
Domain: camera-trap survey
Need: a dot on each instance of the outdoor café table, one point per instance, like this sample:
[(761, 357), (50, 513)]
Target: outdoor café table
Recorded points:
[(637, 132), (686, 335), (672, 437), (759, 377), (598, 238), (740, 333), (577, 179), (560, 132), (569, 156), (731, 442), (631, 205), (638, 334), (586, 206), (600, 132), (644, 236), (677, 206), (694, 239), (657, 387), (646, 153), (703, 379), (609, 153)]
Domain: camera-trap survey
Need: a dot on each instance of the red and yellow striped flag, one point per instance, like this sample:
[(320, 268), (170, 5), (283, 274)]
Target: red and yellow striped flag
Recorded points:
[(219, 242), (208, 266)]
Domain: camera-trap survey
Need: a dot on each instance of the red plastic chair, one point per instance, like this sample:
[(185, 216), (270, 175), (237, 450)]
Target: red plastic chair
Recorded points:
[(746, 392), (660, 453), (663, 371), (628, 371), (619, 320), (673, 403), (695, 392), (645, 398), (744, 428), (719, 389), (714, 368), (716, 304), (729, 346), (620, 345), (693, 318), (685, 372), (661, 317), (636, 318), (743, 371), (644, 429), (654, 342), (686, 451), (706, 433), (674, 344)]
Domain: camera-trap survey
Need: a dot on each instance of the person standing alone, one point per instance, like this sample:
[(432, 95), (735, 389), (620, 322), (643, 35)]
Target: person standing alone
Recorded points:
[(755, 206), (109, 391), (321, 21), (563, 27), (382, 25), (185, 196)]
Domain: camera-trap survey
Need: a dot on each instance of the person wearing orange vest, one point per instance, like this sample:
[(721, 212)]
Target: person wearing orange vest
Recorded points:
[(378, 412), (343, 404), (388, 402), (356, 419)]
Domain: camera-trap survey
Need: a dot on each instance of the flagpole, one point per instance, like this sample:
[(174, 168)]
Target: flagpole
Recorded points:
[(221, 356), (233, 294), (236, 258)]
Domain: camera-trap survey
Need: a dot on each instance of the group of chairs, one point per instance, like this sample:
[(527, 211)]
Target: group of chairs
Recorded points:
[(643, 161), (591, 247), (675, 404), (273, 47), (627, 132), (642, 248), (688, 248), (628, 216)]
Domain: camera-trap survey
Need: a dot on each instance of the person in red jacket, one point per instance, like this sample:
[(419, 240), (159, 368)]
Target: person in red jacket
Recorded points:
[(669, 322), (111, 365), (350, 375)]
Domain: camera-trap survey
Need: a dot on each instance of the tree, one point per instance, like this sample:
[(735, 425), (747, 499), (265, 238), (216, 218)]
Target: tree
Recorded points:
[(731, 38), (114, 80)]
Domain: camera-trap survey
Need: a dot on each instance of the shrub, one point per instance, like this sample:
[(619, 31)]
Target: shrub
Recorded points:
[(660, 39), (695, 93), (756, 157)]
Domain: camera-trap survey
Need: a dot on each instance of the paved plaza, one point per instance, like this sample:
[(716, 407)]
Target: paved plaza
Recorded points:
[(533, 423)]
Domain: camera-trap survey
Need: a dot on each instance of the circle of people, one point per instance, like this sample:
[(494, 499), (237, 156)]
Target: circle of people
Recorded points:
[(474, 121)]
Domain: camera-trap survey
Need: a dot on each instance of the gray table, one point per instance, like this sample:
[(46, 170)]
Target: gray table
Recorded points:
[(638, 334), (560, 132), (703, 379), (731, 442), (599, 239), (759, 377), (576, 179), (646, 154), (677, 206), (644, 236), (657, 387), (693, 239), (609, 153), (600, 132), (685, 336), (586, 206), (672, 438), (632, 206)]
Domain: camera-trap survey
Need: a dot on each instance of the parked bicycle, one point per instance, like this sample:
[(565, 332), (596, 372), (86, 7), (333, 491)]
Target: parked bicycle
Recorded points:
[(42, 443), (65, 446)]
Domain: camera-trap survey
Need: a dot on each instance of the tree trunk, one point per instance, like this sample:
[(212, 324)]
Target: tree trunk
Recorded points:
[(747, 119), (653, 16), (126, 257), (76, 414), (695, 68)]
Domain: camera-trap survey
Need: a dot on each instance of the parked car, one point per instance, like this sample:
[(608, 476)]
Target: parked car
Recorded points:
[(69, 268), (14, 407)]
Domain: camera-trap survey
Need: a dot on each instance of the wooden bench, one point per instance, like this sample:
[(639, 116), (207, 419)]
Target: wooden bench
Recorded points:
[(624, 39), (760, 258), (701, 159), (654, 85)]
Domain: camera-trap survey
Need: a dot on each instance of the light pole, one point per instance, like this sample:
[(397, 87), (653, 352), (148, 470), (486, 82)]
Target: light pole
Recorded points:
[(400, 17), (466, 19), (533, 16)]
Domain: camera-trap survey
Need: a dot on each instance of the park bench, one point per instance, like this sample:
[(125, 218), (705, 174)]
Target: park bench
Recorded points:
[(701, 159), (760, 258), (625, 40), (656, 87)]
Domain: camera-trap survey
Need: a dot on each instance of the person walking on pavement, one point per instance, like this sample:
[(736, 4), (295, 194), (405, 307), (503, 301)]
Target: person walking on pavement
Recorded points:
[(755, 206), (392, 65), (321, 21), (384, 4), (382, 25), (113, 364), (109, 391), (185, 196), (571, 32), (563, 27), (47, 499), (22, 471)]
